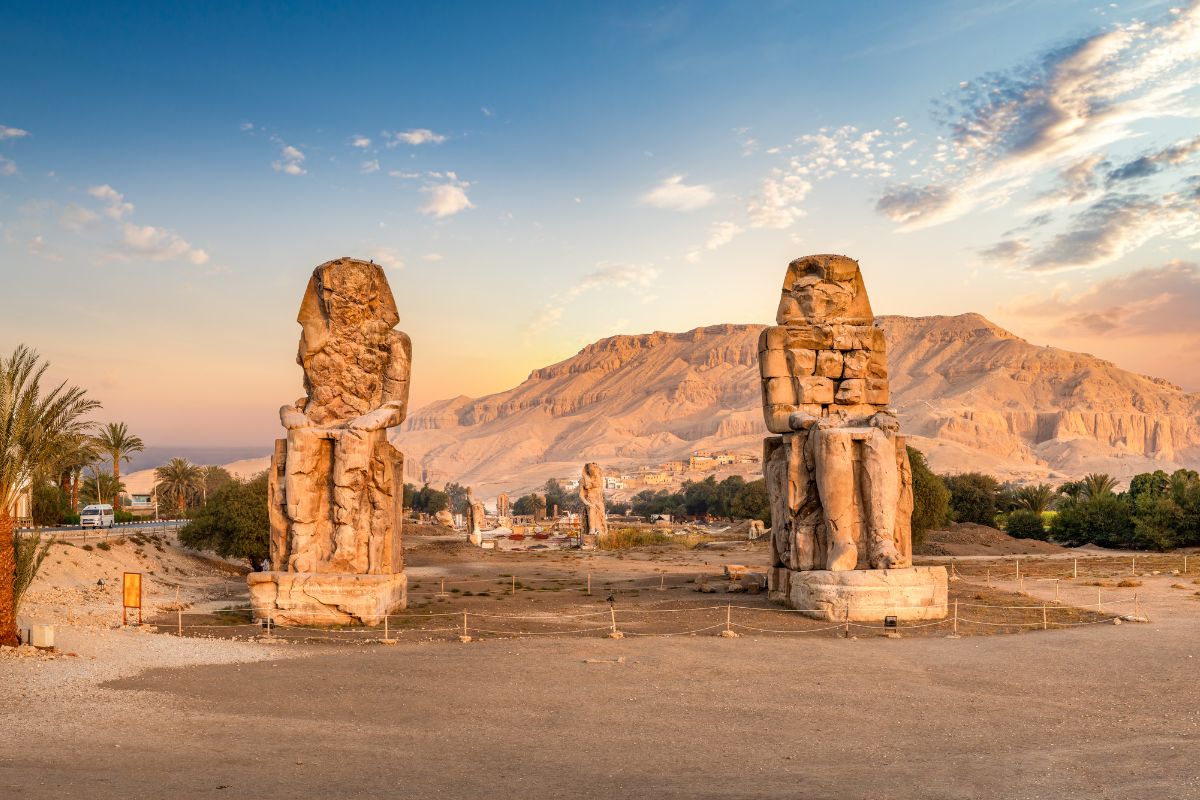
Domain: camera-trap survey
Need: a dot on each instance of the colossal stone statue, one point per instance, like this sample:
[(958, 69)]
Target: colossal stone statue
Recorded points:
[(594, 521), (838, 475), (336, 482)]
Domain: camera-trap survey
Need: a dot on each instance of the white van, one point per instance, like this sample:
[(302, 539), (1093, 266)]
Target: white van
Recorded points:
[(97, 516)]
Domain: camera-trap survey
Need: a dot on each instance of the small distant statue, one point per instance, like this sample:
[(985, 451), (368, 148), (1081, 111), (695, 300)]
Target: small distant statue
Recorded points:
[(475, 518), (502, 505), (594, 521)]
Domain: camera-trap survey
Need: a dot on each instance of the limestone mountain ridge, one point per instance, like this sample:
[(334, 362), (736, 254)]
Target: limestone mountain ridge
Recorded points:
[(970, 394)]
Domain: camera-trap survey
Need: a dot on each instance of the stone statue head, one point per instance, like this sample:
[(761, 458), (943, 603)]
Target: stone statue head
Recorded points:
[(824, 289), (346, 319)]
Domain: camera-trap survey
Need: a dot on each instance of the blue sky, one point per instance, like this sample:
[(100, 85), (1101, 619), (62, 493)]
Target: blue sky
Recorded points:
[(537, 176)]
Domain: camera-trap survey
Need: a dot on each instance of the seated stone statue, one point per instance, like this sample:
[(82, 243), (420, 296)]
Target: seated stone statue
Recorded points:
[(341, 471), (838, 476)]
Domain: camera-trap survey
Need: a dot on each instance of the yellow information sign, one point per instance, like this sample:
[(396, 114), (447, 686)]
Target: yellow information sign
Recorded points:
[(131, 593)]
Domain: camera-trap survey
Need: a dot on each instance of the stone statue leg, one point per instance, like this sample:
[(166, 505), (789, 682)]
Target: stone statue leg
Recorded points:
[(834, 464), (351, 520), (302, 493), (881, 496)]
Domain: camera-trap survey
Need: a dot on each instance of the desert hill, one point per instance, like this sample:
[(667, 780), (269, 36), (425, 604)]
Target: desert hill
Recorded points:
[(969, 393)]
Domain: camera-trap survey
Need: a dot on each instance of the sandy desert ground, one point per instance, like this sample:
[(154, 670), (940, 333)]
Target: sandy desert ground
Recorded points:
[(1092, 711)]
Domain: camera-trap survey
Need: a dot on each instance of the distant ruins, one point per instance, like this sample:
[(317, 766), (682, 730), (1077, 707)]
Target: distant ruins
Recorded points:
[(593, 522), (837, 474), (336, 482)]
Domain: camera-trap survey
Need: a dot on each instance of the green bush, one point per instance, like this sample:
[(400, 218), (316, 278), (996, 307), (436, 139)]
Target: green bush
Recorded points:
[(973, 497), (931, 498), (1025, 524)]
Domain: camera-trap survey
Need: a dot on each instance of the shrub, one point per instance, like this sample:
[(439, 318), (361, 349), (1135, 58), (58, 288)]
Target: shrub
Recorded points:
[(973, 497), (1025, 524), (931, 498), (626, 538)]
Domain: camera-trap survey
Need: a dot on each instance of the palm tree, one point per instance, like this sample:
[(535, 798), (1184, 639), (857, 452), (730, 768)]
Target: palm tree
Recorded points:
[(1037, 498), (34, 426), (179, 478), (1096, 484), (79, 453), (100, 487), (116, 442)]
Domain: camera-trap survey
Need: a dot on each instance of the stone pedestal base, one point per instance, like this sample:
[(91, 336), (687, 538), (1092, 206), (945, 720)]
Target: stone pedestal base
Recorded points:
[(867, 595), (316, 598)]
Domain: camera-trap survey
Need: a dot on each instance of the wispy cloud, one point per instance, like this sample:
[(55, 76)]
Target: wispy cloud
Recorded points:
[(7, 132), (777, 204), (291, 161), (115, 205), (675, 195), (1150, 163), (386, 256), (1069, 104), (8, 166), (157, 244), (1155, 301), (360, 141), (719, 235), (635, 277), (446, 198), (367, 167), (414, 136)]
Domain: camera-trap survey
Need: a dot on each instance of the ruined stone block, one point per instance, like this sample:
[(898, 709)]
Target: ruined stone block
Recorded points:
[(815, 390), (779, 391), (850, 392), (877, 392), (774, 364), (801, 362), (829, 364), (854, 364)]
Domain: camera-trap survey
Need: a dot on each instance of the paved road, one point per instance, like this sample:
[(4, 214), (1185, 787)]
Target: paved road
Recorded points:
[(122, 529)]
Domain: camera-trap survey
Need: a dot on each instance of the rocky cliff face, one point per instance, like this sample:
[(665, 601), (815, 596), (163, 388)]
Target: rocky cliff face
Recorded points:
[(971, 394)]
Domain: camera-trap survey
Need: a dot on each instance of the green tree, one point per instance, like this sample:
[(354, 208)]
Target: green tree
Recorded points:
[(179, 480), (752, 502), (100, 487), (116, 442), (430, 500), (530, 505), (1152, 483), (36, 427), (1025, 524), (973, 497), (212, 478), (1105, 520), (931, 498), (78, 454), (556, 495), (1096, 484), (458, 497), (51, 505), (233, 523), (1039, 498)]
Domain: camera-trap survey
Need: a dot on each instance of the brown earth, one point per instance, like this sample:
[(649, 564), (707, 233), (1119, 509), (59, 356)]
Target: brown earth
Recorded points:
[(970, 539)]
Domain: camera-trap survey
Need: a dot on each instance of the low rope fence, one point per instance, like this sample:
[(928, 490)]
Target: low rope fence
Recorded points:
[(1100, 565), (727, 620)]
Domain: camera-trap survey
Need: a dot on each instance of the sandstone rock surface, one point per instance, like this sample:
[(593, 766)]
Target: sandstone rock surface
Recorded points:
[(838, 474), (591, 492), (336, 481), (968, 393)]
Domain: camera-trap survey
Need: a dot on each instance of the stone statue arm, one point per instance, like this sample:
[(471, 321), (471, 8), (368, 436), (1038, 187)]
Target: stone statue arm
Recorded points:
[(801, 421), (293, 416)]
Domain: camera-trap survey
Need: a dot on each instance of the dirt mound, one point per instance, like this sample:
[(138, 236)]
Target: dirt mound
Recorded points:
[(969, 539)]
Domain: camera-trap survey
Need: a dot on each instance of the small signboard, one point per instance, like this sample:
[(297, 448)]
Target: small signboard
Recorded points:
[(131, 596)]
